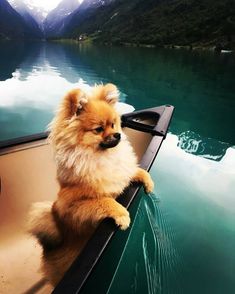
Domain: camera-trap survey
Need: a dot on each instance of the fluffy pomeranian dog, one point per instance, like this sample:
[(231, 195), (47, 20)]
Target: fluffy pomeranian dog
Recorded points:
[(95, 163)]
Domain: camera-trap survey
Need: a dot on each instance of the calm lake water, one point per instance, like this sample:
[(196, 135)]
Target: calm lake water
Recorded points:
[(194, 202)]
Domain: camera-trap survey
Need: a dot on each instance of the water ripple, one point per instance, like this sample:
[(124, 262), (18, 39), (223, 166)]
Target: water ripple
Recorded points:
[(163, 270)]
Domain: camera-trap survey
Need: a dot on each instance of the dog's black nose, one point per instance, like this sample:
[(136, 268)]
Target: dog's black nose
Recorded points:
[(110, 141), (117, 136)]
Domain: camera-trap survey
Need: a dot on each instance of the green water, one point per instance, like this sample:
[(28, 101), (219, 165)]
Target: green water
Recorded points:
[(192, 211)]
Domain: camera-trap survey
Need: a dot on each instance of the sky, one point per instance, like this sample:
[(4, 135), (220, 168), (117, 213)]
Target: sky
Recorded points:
[(47, 4)]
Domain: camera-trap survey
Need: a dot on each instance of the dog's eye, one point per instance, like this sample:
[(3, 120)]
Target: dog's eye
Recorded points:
[(112, 126), (99, 129)]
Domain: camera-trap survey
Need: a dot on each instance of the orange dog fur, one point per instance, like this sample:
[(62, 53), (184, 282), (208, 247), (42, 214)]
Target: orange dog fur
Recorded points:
[(95, 163)]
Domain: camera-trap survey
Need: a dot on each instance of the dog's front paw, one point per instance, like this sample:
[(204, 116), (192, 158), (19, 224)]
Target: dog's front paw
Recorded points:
[(123, 221), (122, 218), (117, 212), (148, 184), (144, 177)]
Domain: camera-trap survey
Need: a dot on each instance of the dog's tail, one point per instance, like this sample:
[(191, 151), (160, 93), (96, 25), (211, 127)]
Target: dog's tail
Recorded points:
[(42, 225)]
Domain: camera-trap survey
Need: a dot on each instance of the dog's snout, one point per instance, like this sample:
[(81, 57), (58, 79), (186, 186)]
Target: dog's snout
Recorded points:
[(117, 136), (111, 141)]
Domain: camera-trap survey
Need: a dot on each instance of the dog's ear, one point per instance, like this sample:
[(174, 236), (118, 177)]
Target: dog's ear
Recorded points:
[(74, 102), (110, 94)]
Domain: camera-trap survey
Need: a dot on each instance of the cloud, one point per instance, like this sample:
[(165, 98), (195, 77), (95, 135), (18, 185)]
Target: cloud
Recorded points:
[(40, 88)]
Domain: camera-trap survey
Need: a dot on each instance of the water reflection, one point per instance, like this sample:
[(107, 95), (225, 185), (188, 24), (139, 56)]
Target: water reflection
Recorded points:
[(29, 95), (187, 170), (200, 85), (16, 122), (33, 86), (198, 205), (205, 147), (28, 100), (7, 64)]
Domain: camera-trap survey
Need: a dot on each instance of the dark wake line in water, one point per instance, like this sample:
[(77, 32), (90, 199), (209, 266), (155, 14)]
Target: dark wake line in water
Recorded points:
[(156, 274), (169, 252), (168, 261)]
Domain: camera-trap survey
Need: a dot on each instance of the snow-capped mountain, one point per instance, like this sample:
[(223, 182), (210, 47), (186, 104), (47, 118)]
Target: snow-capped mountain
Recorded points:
[(56, 19), (39, 13), (30, 12), (95, 3)]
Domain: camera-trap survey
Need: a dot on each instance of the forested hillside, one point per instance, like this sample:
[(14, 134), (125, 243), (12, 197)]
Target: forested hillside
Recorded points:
[(159, 22)]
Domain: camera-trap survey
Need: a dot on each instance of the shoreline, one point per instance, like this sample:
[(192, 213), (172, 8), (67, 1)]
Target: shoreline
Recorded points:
[(191, 47), (93, 40)]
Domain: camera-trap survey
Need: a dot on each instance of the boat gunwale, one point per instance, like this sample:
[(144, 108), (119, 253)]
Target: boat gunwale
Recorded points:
[(22, 140)]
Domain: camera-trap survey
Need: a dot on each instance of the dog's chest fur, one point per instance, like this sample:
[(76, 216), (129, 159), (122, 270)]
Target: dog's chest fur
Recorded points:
[(109, 171)]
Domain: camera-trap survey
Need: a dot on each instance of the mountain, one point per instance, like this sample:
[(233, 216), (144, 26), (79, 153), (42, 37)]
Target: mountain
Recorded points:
[(98, 10), (56, 19), (12, 25), (27, 16), (159, 22), (38, 13)]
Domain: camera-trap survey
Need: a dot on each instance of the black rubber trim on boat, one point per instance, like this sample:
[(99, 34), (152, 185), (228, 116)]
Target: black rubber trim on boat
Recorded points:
[(158, 116), (23, 140), (77, 275)]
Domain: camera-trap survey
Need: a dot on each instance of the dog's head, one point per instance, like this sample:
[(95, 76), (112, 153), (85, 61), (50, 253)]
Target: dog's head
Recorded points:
[(88, 120)]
